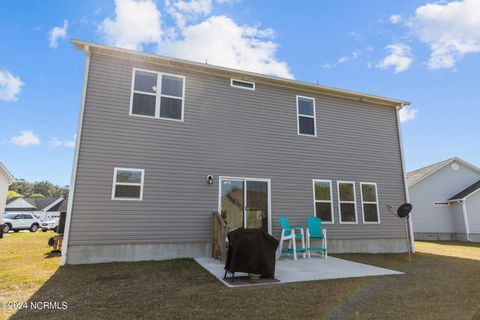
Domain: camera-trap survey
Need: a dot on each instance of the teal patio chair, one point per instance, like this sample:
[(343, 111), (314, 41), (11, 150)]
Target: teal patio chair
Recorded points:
[(291, 234), (316, 231)]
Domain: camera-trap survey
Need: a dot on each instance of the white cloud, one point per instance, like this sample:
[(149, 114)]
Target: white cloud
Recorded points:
[(216, 39), (395, 18), (25, 138), (10, 86), (57, 33), (450, 29), (400, 58), (56, 142), (220, 41), (136, 23), (184, 11), (354, 55), (407, 114)]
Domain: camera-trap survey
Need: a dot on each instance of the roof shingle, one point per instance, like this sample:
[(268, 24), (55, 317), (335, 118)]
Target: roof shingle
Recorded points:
[(39, 203), (417, 175), (466, 192)]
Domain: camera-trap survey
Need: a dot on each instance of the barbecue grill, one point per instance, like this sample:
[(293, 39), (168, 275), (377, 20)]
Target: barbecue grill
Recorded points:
[(251, 251)]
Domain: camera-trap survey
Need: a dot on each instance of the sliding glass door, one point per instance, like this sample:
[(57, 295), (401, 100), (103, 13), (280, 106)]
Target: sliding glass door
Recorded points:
[(232, 202), (245, 202)]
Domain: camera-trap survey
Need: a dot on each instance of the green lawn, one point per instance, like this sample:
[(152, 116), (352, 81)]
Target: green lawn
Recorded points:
[(442, 282)]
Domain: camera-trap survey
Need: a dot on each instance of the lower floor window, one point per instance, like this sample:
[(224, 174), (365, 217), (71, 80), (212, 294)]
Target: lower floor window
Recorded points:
[(127, 184), (369, 202), (347, 202), (322, 192)]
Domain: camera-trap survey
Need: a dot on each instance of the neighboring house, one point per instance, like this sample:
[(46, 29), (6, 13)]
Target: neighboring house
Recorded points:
[(163, 142), (6, 179), (45, 207), (54, 212), (446, 201)]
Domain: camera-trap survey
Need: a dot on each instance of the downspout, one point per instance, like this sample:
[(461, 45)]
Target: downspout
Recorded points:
[(405, 181), (465, 218), (71, 193)]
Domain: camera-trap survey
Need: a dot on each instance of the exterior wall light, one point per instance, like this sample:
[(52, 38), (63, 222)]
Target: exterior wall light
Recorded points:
[(210, 179)]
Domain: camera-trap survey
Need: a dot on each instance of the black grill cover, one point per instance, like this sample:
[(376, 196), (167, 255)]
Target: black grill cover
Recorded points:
[(251, 251)]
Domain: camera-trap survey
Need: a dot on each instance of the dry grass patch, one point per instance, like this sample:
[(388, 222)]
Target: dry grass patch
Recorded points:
[(24, 266), (468, 250)]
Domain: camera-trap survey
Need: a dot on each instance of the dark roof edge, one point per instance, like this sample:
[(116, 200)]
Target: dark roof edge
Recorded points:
[(467, 192)]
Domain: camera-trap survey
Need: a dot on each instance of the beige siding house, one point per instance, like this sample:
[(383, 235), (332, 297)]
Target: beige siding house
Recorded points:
[(163, 142)]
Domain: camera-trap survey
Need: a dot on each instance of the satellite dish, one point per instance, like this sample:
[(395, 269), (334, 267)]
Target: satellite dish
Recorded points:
[(404, 210)]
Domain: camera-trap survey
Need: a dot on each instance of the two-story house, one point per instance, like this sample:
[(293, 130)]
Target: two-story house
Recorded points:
[(163, 142)]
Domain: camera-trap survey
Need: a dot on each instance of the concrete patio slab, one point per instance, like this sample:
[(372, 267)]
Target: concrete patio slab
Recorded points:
[(316, 268)]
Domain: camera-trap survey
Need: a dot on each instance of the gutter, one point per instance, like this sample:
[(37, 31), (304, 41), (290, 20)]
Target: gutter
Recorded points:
[(405, 180), (71, 194)]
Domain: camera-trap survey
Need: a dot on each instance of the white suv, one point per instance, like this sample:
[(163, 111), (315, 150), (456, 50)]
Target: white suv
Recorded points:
[(50, 225), (20, 221)]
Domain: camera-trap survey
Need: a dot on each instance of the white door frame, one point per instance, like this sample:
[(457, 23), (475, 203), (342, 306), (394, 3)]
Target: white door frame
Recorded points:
[(244, 179)]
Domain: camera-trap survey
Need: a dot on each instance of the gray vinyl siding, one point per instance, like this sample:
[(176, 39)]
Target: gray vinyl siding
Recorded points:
[(473, 212), (226, 132), (439, 187)]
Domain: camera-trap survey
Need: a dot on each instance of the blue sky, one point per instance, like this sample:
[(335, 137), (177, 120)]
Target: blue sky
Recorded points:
[(423, 51)]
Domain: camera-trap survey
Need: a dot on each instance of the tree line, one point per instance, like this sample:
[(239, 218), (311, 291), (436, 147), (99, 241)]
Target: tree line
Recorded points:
[(22, 188)]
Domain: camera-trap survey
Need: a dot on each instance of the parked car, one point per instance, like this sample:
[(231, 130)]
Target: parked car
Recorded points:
[(20, 221), (50, 225)]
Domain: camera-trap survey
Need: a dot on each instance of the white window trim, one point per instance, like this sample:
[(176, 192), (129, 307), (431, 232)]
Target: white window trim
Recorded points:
[(158, 95), (345, 201), (323, 201), (240, 87), (307, 116), (370, 202), (115, 183)]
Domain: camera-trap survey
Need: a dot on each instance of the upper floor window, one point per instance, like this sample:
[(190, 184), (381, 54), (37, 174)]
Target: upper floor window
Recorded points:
[(306, 122), (157, 95), (127, 184), (347, 203), (369, 202), (242, 84), (322, 200)]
